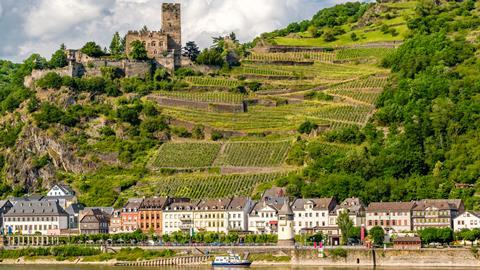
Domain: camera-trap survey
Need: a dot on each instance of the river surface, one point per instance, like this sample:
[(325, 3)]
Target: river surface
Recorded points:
[(103, 267)]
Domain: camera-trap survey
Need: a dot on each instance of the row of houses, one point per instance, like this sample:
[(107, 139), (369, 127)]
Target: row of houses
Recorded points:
[(59, 213)]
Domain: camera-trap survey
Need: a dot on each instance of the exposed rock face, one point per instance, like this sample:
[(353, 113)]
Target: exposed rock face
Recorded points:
[(33, 143)]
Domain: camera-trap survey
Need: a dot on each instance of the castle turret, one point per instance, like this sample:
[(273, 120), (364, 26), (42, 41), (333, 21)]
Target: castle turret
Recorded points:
[(286, 233)]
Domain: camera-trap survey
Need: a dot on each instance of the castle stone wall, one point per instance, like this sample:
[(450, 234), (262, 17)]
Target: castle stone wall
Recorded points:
[(165, 42)]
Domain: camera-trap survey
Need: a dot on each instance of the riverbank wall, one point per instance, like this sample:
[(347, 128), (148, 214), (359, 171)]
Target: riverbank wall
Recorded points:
[(456, 257)]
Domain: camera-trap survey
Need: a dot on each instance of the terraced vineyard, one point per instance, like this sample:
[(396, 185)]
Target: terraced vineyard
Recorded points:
[(358, 53), (253, 154), (204, 186), (185, 155), (212, 81), (365, 90), (372, 82), (256, 70), (292, 57), (205, 96), (360, 95), (282, 119), (350, 114)]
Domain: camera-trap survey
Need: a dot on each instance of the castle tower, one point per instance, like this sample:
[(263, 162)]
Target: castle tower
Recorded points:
[(172, 26), (286, 233)]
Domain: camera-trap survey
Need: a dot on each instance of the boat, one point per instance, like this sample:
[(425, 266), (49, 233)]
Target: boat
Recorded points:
[(232, 260)]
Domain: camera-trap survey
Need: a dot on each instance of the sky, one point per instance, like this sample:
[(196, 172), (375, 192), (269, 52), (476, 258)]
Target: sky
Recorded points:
[(40, 26)]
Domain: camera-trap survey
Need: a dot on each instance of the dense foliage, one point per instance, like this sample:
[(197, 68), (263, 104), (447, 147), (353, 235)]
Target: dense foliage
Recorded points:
[(423, 140), (325, 18)]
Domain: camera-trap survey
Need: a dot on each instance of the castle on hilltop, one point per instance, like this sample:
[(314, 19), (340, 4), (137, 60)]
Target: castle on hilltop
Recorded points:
[(165, 45)]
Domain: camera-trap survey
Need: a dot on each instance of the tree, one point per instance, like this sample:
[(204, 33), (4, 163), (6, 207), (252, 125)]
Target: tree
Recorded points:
[(328, 35), (59, 58), (116, 46), (233, 37), (378, 235), (144, 30), (313, 30), (191, 50), (345, 224), (354, 36), (138, 51), (211, 57), (92, 49)]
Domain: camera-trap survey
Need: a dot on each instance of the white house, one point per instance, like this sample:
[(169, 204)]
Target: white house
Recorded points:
[(355, 209), (178, 217), (263, 218), (467, 220), (237, 214), (63, 194), (60, 190), (312, 213), (31, 217)]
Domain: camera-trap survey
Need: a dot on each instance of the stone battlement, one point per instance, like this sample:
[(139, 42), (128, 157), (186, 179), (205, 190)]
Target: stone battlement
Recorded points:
[(146, 34)]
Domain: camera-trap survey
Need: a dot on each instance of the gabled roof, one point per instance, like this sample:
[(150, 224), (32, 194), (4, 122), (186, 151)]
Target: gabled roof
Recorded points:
[(274, 192), (74, 208), (390, 206), (214, 204), (180, 206), (133, 203), (94, 215), (65, 188), (440, 204), (238, 203), (157, 203), (317, 203), (4, 203), (107, 210), (36, 208), (353, 205)]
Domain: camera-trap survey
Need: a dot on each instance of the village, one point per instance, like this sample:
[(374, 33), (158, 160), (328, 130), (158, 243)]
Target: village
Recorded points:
[(58, 214)]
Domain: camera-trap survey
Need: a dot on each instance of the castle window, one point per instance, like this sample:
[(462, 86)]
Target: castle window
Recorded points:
[(154, 44), (155, 52), (161, 43)]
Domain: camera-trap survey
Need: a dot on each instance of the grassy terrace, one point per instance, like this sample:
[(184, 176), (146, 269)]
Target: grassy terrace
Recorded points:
[(367, 34)]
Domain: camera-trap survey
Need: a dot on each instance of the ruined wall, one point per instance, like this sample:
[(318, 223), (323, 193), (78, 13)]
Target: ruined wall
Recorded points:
[(156, 42)]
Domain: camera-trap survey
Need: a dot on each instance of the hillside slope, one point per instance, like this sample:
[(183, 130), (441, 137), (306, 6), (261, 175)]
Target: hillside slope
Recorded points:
[(315, 119)]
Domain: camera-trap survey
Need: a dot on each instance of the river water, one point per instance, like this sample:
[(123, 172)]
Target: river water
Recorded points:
[(104, 267)]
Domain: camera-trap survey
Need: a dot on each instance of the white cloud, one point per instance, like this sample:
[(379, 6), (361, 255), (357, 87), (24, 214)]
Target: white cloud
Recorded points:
[(41, 25)]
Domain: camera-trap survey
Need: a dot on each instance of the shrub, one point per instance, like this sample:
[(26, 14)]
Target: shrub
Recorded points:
[(50, 81), (111, 73), (216, 136), (307, 127)]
